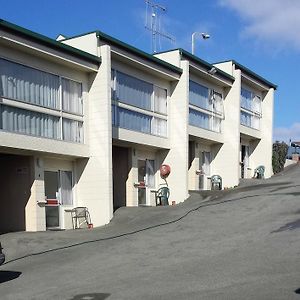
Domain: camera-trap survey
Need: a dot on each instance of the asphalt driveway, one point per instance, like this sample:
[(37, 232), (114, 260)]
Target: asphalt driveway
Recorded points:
[(239, 244)]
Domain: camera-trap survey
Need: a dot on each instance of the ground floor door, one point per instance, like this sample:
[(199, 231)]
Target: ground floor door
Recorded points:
[(204, 166), (59, 195), (120, 175), (15, 191), (146, 178), (244, 160)]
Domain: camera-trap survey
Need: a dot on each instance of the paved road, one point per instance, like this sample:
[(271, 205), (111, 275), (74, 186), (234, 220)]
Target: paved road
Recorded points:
[(242, 244)]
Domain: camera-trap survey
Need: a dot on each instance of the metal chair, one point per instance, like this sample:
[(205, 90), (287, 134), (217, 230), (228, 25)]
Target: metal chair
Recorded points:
[(81, 218), (216, 182), (162, 196), (259, 172)]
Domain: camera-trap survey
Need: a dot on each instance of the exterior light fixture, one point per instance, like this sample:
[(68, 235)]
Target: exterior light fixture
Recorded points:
[(204, 36), (212, 71)]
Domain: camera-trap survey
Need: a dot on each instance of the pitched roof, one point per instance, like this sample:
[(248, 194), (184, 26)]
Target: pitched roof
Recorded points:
[(44, 40), (251, 73)]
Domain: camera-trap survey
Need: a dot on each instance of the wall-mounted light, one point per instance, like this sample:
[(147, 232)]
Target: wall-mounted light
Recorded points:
[(212, 71)]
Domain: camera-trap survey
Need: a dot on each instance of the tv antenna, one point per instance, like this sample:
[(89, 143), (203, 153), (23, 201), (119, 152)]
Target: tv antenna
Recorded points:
[(153, 23)]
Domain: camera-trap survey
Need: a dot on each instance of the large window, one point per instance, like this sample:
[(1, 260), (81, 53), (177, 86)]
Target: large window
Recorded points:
[(206, 107), (138, 105), (250, 109), (26, 84), (27, 122), (52, 93)]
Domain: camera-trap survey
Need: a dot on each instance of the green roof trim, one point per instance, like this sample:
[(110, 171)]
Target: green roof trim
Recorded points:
[(109, 39), (251, 73), (204, 63), (200, 61), (44, 40)]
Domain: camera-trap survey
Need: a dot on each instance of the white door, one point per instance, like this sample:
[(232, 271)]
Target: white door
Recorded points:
[(204, 164), (146, 176), (58, 192)]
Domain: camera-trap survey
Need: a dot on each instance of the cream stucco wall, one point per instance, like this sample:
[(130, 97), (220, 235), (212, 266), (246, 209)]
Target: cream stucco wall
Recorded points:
[(261, 152), (87, 43), (94, 175), (226, 156), (177, 156)]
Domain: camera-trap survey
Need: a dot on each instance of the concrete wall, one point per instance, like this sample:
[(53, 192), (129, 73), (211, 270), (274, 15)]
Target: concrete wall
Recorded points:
[(94, 175), (226, 157), (177, 157), (87, 43), (262, 152)]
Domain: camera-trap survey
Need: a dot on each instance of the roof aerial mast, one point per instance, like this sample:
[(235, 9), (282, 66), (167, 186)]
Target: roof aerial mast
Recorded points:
[(153, 23)]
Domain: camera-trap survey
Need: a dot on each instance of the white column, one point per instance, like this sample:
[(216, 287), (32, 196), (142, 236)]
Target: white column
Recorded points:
[(94, 175), (177, 157)]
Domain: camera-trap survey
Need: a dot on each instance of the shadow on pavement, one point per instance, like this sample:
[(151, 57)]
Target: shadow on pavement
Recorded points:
[(95, 296), (289, 226), (297, 291), (8, 275)]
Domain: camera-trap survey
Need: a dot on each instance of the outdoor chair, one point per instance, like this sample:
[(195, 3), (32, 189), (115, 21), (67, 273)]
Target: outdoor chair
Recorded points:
[(162, 196), (216, 182), (81, 218), (259, 172)]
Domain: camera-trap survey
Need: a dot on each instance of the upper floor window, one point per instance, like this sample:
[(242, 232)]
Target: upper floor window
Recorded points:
[(206, 107), (250, 101), (138, 105), (52, 93), (250, 109), (26, 84)]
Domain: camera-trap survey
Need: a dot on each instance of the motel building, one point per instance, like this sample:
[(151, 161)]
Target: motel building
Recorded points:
[(87, 121)]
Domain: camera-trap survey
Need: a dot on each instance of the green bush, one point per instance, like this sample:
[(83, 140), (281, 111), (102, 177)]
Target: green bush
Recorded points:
[(279, 155)]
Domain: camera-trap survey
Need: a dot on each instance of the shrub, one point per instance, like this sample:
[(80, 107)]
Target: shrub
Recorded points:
[(280, 150)]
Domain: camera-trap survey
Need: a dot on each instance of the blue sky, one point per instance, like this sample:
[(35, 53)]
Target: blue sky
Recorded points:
[(264, 37)]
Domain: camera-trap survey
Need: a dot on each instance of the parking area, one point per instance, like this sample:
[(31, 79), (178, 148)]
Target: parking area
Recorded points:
[(238, 244)]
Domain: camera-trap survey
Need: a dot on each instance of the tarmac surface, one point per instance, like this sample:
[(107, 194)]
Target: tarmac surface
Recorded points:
[(242, 243)]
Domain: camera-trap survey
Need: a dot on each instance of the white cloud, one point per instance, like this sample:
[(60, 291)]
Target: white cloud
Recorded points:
[(274, 21), (284, 134)]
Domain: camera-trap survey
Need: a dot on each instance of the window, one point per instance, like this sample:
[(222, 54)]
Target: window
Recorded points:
[(28, 122), (72, 130), (138, 105), (250, 109), (26, 84), (66, 185), (38, 88), (206, 107), (72, 96), (133, 120), (133, 91), (199, 95)]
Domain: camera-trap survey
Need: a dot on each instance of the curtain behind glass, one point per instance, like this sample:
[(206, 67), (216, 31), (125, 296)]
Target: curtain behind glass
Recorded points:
[(133, 91), (27, 84), (72, 131), (72, 96), (150, 173), (133, 120), (199, 119), (257, 105), (206, 159), (198, 95), (218, 103), (160, 100), (246, 99), (159, 127), (66, 187), (28, 122), (245, 119)]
